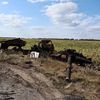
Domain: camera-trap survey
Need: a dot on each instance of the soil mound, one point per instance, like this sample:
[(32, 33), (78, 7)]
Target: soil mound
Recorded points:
[(18, 84)]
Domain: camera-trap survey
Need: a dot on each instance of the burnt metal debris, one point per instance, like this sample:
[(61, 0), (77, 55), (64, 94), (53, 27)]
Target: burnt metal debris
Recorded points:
[(71, 56), (77, 58), (45, 47), (13, 42)]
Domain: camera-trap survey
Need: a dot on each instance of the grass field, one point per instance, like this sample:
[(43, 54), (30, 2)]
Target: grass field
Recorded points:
[(88, 48)]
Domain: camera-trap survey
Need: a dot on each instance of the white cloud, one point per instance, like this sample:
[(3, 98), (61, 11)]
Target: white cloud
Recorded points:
[(62, 0), (13, 20), (38, 1), (4, 2), (67, 13), (64, 13), (61, 8), (68, 21), (35, 1), (94, 29)]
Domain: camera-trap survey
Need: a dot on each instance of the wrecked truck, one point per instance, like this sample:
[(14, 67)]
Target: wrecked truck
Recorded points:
[(13, 42)]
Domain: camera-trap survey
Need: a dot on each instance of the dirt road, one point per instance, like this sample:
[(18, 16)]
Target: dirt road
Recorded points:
[(18, 84)]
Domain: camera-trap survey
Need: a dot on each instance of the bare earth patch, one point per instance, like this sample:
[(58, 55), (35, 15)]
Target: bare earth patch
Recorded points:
[(22, 78), (21, 85)]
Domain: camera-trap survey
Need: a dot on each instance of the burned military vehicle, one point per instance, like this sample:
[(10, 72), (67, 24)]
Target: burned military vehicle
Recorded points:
[(44, 46), (77, 58), (14, 42), (71, 56)]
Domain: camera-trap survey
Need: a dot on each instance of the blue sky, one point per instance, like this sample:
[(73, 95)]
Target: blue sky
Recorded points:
[(50, 18)]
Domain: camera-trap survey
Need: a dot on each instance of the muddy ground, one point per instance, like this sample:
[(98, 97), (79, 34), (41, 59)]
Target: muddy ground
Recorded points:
[(22, 78)]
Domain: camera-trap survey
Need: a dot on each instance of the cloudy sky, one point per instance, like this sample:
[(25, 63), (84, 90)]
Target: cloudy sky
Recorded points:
[(50, 18)]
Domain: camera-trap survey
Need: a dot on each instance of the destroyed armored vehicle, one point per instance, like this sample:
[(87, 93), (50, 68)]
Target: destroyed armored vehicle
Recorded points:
[(77, 58), (14, 42), (44, 46)]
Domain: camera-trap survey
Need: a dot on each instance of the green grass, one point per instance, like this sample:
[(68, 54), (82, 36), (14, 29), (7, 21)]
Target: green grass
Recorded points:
[(30, 43), (88, 48)]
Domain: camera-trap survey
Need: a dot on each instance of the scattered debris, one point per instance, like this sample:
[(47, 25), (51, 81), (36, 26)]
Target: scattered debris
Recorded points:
[(77, 58), (66, 87), (14, 42), (71, 56), (74, 97), (1, 51), (34, 54), (45, 47)]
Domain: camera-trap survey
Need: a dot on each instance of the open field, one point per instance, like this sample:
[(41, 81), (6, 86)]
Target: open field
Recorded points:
[(88, 48)]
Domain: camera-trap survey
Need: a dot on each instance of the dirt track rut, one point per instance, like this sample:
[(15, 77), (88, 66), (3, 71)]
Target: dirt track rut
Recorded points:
[(22, 84), (41, 82)]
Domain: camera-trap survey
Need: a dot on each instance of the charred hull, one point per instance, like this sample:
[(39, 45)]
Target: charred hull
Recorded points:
[(14, 42), (77, 58)]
